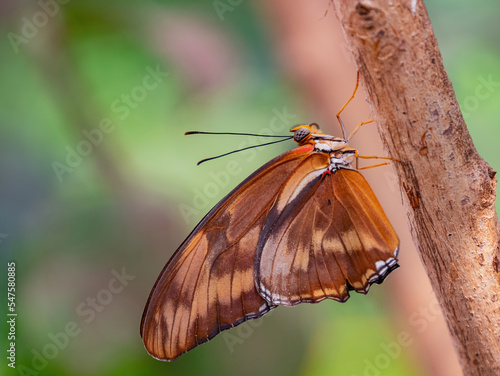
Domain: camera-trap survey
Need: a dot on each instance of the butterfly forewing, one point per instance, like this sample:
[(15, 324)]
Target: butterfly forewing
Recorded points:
[(325, 234), (208, 285)]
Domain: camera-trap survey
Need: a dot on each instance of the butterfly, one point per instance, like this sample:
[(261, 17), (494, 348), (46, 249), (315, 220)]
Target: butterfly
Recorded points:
[(304, 227)]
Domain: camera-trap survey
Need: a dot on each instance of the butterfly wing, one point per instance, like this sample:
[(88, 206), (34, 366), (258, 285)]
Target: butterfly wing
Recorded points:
[(325, 234), (208, 284)]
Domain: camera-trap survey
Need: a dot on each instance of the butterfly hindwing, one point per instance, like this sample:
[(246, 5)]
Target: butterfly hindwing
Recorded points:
[(209, 283), (325, 234)]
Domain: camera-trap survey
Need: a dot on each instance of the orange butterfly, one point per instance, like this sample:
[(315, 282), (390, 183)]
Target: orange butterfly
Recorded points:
[(304, 227)]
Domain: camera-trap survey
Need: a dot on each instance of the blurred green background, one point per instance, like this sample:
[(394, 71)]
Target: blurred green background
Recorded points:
[(75, 214)]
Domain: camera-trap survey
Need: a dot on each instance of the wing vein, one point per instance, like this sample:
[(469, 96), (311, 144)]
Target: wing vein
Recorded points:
[(180, 291)]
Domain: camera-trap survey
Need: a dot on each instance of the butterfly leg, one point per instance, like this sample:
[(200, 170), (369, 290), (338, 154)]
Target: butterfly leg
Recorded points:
[(357, 127), (375, 165), (345, 105), (372, 157)]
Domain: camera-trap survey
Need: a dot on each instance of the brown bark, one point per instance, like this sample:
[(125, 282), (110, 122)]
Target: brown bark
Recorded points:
[(448, 189)]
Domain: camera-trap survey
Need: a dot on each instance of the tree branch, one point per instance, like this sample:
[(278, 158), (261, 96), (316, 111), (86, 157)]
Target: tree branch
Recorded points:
[(448, 189)]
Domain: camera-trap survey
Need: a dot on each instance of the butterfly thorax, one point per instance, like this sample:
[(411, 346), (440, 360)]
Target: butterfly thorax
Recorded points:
[(341, 154)]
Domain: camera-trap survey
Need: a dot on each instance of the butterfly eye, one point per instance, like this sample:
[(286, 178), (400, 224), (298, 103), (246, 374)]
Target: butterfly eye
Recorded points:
[(301, 133)]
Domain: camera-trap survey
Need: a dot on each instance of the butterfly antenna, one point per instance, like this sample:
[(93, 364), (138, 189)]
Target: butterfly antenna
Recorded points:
[(248, 147), (232, 134)]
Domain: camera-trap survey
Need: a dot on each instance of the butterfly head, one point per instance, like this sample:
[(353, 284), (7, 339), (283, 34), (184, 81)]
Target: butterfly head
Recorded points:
[(303, 134), (310, 134)]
